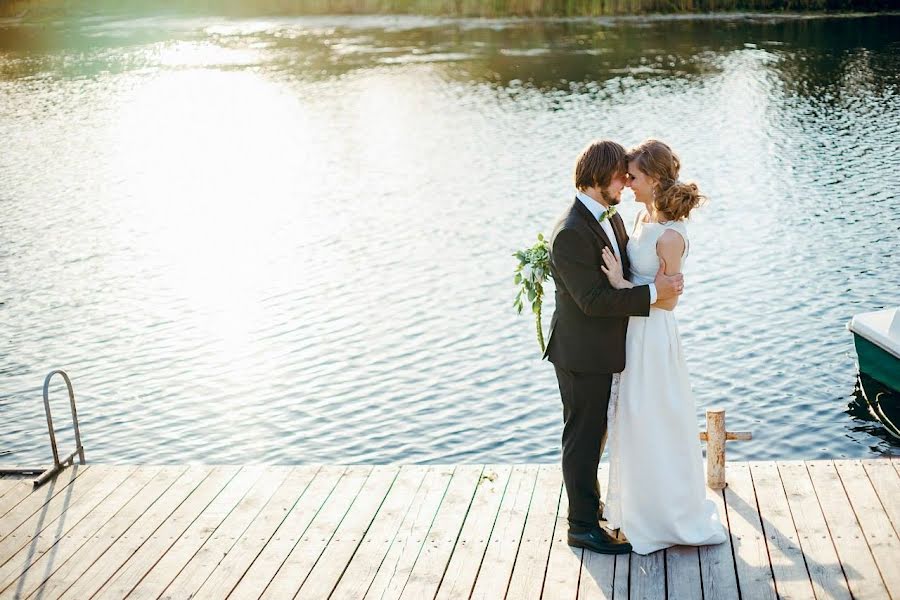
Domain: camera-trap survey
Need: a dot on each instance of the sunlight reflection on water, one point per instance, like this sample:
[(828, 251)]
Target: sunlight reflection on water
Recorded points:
[(288, 240)]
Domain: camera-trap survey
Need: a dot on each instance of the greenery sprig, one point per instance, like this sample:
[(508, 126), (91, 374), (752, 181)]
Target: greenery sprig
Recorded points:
[(530, 275)]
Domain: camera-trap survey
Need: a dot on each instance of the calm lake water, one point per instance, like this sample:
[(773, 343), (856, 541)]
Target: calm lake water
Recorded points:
[(289, 240)]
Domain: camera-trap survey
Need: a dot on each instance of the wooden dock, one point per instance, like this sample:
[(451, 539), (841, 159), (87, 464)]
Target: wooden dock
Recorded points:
[(813, 529)]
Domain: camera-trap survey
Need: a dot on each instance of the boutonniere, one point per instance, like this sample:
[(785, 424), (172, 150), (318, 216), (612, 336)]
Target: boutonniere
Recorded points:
[(608, 214)]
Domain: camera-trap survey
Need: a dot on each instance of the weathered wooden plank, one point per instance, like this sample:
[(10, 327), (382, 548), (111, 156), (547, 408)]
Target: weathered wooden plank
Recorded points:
[(465, 562), (24, 490), (792, 580), (45, 527), (220, 542), (683, 573), (886, 481), (647, 578), (67, 486), (8, 484), (378, 539), (394, 571), (597, 576), (425, 577), (717, 570), (750, 552), (426, 532), (349, 535), (595, 581), (873, 519), (531, 562), (189, 542), (135, 568), (38, 559), (240, 557), (850, 542), (496, 568), (87, 541), (564, 564), (118, 540), (822, 562), (621, 582), (303, 557), (288, 534), (597, 570)]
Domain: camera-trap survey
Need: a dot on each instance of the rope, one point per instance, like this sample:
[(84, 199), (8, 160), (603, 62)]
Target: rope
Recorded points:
[(876, 412)]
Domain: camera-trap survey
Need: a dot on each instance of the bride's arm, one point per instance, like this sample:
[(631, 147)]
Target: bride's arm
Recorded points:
[(670, 249), (612, 268)]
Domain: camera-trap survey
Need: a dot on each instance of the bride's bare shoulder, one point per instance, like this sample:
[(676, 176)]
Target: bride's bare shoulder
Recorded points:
[(670, 242)]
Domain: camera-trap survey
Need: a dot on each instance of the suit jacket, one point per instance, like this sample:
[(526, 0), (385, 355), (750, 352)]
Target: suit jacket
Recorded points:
[(587, 332)]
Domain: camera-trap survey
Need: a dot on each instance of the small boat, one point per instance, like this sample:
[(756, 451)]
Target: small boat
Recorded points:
[(877, 339)]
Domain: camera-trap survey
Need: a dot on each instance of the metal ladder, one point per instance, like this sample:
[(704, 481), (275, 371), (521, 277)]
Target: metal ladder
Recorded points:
[(50, 472)]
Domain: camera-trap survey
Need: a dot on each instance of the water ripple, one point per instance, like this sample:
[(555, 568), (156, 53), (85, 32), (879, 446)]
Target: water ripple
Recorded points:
[(288, 240)]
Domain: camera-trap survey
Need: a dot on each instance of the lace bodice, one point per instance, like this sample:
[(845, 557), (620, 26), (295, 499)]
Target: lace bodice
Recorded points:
[(642, 249)]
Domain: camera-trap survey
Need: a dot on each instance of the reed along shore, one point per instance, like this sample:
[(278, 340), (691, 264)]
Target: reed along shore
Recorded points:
[(436, 8)]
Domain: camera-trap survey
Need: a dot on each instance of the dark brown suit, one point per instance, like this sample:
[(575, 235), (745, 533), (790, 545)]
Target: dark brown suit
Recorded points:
[(586, 346)]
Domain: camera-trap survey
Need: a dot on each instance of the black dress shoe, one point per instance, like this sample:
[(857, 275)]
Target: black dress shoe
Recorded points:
[(597, 540)]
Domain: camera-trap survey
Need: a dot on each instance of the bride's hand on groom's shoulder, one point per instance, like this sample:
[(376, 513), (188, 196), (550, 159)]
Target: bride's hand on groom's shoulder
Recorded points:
[(612, 268)]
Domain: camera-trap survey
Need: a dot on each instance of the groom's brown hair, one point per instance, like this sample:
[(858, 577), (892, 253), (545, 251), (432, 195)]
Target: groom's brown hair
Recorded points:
[(599, 163)]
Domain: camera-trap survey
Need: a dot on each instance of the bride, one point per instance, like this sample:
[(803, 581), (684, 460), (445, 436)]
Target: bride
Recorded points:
[(656, 493)]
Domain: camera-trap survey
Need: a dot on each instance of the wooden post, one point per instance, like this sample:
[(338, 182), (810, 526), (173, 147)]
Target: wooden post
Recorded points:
[(715, 437), (715, 448)]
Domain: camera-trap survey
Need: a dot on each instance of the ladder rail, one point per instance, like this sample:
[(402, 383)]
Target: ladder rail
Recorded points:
[(79, 449), (47, 474)]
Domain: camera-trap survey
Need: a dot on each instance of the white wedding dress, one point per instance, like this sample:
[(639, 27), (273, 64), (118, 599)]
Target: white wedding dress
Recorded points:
[(656, 492)]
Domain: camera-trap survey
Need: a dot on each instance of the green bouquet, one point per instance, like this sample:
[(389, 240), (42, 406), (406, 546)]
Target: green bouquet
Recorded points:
[(531, 273)]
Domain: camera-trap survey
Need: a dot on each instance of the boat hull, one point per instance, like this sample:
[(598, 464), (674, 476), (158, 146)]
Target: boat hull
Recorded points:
[(877, 363)]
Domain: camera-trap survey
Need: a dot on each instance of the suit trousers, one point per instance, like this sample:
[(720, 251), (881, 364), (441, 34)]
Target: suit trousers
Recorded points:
[(585, 398)]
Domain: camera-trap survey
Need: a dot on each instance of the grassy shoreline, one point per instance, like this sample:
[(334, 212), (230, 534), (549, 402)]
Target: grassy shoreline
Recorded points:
[(436, 8)]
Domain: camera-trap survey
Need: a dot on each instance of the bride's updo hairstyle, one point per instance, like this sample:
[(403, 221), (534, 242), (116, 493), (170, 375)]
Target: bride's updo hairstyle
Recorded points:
[(673, 199)]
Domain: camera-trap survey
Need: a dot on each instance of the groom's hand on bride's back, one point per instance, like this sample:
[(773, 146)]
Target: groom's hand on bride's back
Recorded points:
[(668, 286)]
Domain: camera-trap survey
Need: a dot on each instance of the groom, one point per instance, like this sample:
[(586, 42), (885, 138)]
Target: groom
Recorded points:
[(587, 333)]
